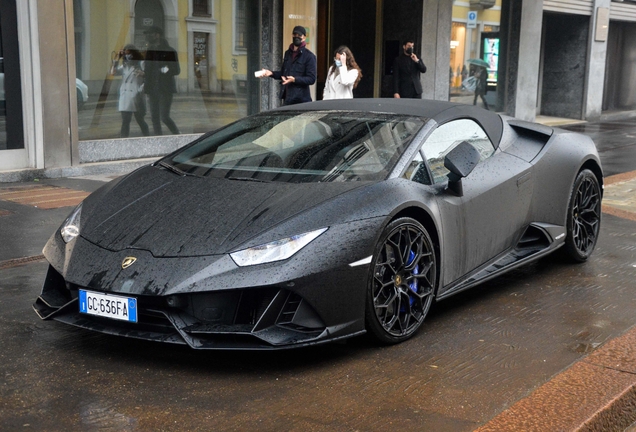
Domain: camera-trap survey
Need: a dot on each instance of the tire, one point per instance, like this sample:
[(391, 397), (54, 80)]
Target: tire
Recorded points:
[(583, 217), (402, 281)]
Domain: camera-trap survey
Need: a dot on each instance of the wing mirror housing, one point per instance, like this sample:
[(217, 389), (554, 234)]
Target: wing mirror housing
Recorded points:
[(460, 162)]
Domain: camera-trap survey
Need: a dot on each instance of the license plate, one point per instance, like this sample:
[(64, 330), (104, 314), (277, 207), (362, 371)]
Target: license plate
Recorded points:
[(109, 306)]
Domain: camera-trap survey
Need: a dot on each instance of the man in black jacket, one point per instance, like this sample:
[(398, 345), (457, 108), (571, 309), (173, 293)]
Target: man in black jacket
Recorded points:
[(160, 67), (298, 71), (407, 68)]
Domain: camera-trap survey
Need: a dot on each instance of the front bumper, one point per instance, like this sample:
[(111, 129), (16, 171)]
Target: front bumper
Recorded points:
[(209, 302), (255, 318)]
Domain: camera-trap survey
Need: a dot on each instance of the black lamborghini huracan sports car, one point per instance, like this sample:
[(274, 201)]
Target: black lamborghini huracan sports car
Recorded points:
[(321, 221)]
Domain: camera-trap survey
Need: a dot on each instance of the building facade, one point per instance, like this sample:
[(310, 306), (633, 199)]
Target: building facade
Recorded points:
[(62, 65)]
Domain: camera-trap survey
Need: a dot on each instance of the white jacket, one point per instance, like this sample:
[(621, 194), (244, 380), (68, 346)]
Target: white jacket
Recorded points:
[(340, 86), (131, 96)]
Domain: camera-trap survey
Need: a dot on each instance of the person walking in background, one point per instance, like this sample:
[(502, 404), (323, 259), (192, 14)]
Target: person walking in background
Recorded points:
[(407, 68), (128, 63), (298, 71), (482, 85), (161, 66), (343, 76)]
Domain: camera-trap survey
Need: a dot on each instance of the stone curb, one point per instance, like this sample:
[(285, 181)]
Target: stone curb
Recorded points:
[(597, 393)]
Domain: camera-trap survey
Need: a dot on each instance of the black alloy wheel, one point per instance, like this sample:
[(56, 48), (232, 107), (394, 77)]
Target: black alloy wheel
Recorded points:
[(402, 281), (583, 217)]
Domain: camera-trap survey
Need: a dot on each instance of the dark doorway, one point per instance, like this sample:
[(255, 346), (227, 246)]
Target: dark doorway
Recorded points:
[(620, 67), (400, 23), (351, 23), (565, 59), (148, 13)]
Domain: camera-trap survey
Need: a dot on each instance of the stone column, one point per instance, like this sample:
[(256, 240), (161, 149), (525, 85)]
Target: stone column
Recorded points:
[(436, 31), (595, 75), (271, 50), (57, 71), (527, 81)]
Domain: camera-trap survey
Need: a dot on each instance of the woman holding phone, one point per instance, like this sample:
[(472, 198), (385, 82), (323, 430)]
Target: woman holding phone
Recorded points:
[(344, 75)]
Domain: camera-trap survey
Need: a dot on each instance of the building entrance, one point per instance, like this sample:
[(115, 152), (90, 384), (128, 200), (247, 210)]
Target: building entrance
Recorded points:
[(374, 30)]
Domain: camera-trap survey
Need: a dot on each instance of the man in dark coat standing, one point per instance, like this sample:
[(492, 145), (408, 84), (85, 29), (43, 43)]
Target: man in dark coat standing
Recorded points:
[(298, 71), (160, 68), (407, 68)]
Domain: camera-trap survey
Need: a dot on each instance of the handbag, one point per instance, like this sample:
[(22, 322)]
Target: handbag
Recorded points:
[(470, 84)]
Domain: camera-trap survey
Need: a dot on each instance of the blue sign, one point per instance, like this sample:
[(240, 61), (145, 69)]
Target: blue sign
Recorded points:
[(472, 19)]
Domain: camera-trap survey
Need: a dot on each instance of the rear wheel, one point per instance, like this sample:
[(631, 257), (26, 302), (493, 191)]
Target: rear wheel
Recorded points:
[(583, 217), (402, 282)]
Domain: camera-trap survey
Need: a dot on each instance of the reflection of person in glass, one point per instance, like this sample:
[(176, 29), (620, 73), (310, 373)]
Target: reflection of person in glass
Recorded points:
[(128, 63), (298, 71), (161, 66)]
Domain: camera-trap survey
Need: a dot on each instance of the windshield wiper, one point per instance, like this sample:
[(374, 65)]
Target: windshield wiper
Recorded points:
[(247, 179), (173, 168)]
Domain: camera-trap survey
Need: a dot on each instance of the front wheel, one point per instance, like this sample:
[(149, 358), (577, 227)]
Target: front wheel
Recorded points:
[(402, 281), (583, 217)]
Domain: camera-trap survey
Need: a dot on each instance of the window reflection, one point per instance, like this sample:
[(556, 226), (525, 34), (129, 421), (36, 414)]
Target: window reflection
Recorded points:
[(200, 60), (474, 54)]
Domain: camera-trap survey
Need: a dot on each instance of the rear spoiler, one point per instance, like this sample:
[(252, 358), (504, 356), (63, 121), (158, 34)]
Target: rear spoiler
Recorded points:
[(534, 127)]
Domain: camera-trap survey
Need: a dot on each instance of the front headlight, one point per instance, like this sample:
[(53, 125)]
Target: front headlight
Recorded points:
[(71, 227), (275, 251)]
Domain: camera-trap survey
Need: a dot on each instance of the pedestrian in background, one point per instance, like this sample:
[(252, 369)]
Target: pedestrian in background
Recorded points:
[(343, 76), (298, 71), (129, 64), (482, 85), (161, 66), (407, 68)]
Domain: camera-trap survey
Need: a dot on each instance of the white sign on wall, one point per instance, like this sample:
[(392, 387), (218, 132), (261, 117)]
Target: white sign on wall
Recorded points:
[(472, 20)]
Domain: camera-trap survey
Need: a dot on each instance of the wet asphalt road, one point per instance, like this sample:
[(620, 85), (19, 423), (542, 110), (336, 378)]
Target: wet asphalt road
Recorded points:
[(477, 353)]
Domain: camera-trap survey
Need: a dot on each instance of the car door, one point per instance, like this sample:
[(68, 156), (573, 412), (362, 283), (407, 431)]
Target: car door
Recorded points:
[(492, 212)]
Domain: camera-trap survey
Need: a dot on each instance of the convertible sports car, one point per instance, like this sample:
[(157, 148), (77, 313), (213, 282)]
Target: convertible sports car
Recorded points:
[(321, 221)]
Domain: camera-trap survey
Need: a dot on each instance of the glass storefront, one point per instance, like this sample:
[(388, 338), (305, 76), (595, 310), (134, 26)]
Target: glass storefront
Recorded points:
[(302, 13), (11, 126), (474, 59), (159, 67)]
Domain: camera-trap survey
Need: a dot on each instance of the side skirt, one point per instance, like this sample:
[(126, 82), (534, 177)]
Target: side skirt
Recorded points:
[(537, 241)]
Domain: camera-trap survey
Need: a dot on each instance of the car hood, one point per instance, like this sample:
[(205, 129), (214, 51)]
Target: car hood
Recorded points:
[(178, 216)]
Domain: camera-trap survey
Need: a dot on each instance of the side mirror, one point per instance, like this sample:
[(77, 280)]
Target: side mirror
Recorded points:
[(460, 162)]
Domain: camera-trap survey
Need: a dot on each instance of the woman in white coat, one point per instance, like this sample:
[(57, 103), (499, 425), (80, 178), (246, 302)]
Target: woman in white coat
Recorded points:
[(344, 75), (131, 96)]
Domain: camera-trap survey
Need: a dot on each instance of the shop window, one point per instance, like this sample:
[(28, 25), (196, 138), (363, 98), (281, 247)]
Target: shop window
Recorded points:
[(474, 56), (200, 81), (457, 71), (239, 26), (201, 8)]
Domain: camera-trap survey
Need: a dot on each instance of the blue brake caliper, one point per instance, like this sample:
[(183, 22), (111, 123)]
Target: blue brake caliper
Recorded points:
[(413, 285)]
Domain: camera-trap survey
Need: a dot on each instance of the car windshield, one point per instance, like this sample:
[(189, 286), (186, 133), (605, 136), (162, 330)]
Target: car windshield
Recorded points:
[(301, 147)]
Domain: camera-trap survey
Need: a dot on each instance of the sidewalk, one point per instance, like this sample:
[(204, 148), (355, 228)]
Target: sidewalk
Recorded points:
[(597, 393)]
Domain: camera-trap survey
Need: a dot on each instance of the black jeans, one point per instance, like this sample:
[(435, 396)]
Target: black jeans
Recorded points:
[(483, 98), (126, 117), (160, 104)]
